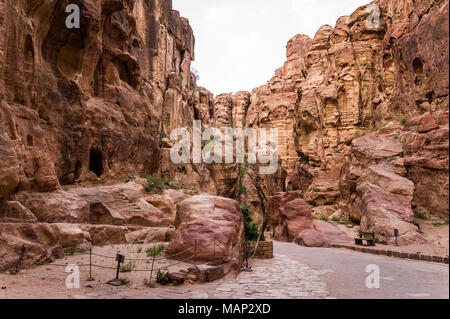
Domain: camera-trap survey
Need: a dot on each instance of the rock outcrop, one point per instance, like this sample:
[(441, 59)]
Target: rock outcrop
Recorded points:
[(389, 77), (83, 109), (209, 229), (291, 220), (361, 111)]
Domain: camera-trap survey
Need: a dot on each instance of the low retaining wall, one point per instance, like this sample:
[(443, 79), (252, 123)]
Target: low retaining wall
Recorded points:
[(263, 251), (398, 254)]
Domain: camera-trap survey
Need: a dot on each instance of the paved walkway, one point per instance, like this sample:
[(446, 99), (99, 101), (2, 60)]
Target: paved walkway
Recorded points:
[(295, 273), (344, 271), (278, 278)]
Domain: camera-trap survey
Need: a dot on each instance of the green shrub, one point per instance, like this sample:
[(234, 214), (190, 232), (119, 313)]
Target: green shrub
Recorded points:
[(419, 214), (155, 250), (242, 189), (376, 128), (335, 219), (441, 224), (245, 168), (381, 242), (252, 232), (324, 218), (124, 281), (161, 184), (128, 267), (162, 277), (139, 250), (75, 250), (391, 159), (403, 120)]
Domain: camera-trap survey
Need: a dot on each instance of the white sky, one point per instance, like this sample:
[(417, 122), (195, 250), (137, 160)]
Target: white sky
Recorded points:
[(240, 43)]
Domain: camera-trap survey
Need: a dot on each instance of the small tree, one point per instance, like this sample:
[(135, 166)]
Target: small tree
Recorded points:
[(251, 229)]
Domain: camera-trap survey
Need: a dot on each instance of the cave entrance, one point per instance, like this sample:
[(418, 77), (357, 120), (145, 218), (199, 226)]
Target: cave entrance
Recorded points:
[(96, 161)]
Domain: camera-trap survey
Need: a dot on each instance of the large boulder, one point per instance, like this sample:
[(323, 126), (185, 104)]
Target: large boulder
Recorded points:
[(119, 205), (201, 220), (42, 243), (375, 190), (291, 220)]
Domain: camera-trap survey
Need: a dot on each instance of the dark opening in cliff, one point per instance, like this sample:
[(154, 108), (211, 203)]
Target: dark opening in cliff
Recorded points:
[(96, 161)]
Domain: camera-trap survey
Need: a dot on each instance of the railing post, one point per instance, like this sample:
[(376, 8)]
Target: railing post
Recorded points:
[(119, 259), (90, 265), (195, 253), (151, 272), (214, 252)]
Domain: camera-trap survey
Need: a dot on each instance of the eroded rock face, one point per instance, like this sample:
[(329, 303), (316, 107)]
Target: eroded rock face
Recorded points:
[(42, 243), (375, 190), (92, 104), (427, 163), (352, 78), (9, 168), (291, 219), (117, 205), (201, 220)]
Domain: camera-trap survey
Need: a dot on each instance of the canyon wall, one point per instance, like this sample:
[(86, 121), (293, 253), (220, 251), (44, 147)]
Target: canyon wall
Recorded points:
[(361, 110), (389, 80), (83, 113)]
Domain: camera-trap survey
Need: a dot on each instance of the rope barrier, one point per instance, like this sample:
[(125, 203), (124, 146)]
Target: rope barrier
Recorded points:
[(164, 260)]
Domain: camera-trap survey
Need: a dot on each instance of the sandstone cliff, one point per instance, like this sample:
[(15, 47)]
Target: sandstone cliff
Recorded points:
[(361, 109), (348, 81)]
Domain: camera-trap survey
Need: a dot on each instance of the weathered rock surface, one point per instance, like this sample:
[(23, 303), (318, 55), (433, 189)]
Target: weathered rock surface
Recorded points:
[(427, 163), (9, 168), (117, 205), (42, 242), (201, 220), (290, 216), (375, 191)]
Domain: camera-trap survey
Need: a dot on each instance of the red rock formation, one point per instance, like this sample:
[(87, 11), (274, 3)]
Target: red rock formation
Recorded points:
[(290, 217), (353, 79), (202, 219)]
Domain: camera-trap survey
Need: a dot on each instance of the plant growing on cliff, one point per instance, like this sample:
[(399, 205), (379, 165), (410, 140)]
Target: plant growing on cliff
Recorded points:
[(419, 214), (242, 189), (161, 184), (245, 168), (251, 229)]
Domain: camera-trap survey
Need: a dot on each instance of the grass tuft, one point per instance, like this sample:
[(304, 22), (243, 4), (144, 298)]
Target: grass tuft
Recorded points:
[(155, 250)]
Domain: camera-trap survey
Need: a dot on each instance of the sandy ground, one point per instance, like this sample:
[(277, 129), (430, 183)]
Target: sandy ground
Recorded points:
[(49, 281)]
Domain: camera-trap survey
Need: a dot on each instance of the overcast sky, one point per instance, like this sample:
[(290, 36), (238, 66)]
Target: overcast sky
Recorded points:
[(240, 43)]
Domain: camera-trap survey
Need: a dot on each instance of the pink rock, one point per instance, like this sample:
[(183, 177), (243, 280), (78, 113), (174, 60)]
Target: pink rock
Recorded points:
[(311, 238), (202, 219), (427, 123)]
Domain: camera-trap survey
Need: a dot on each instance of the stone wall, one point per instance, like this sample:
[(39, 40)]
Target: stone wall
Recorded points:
[(263, 251)]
